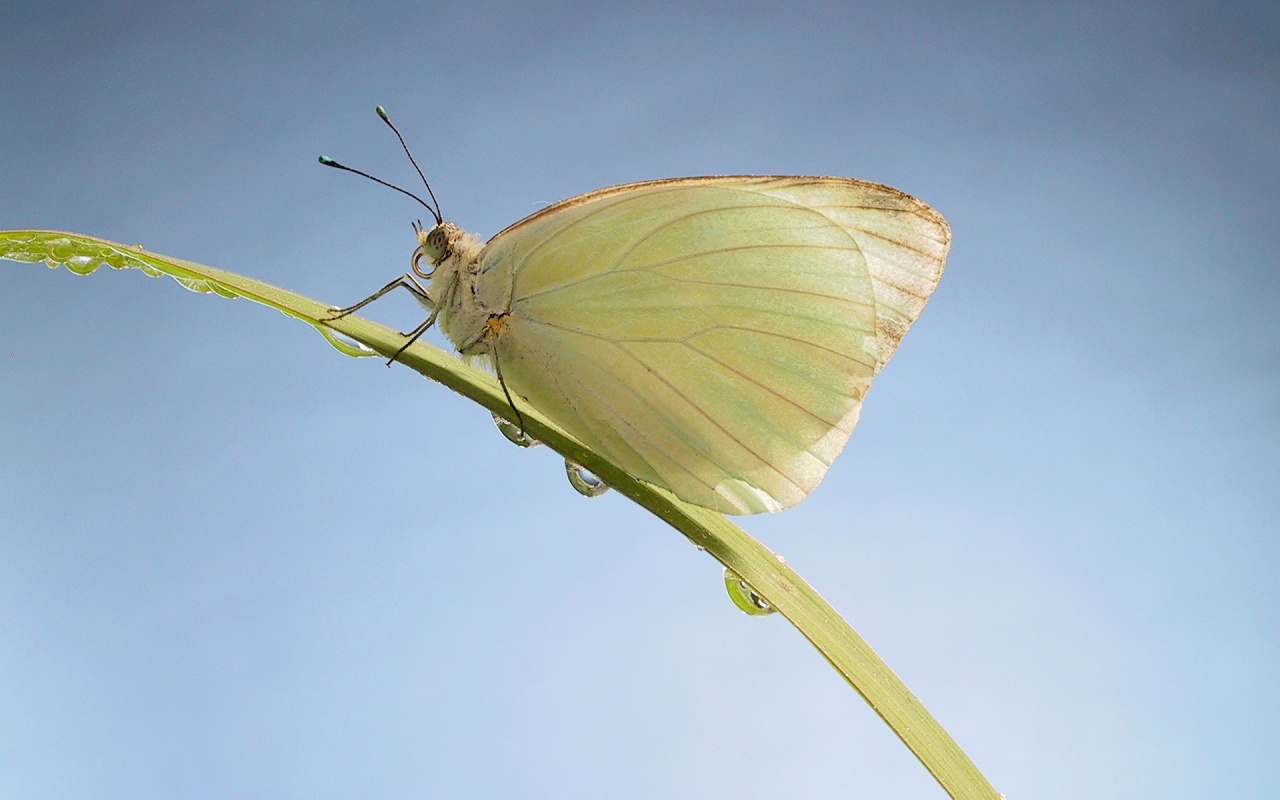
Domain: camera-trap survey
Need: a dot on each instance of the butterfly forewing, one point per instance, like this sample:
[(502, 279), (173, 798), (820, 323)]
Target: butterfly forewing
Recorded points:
[(714, 336)]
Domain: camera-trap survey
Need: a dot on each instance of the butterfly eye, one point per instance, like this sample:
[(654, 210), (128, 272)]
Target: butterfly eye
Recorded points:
[(434, 247)]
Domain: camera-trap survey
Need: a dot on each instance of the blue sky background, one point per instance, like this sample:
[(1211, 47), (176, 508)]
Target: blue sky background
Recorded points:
[(234, 563)]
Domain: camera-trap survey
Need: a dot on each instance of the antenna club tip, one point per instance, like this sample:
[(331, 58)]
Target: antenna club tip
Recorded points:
[(328, 162), (382, 112)]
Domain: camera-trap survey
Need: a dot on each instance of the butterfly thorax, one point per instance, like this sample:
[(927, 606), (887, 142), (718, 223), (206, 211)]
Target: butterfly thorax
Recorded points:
[(463, 317)]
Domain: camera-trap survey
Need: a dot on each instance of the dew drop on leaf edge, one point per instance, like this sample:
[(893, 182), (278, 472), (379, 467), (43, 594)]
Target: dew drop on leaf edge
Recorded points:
[(513, 433), (744, 597), (583, 481)]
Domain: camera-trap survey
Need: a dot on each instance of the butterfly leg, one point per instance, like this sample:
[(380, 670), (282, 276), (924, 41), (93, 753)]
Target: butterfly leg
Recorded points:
[(412, 336), (490, 332), (507, 392), (406, 281)]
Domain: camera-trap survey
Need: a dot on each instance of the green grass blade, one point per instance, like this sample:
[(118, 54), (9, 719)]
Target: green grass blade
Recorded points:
[(772, 579)]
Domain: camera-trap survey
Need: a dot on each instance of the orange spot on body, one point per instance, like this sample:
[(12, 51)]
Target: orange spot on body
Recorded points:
[(495, 324)]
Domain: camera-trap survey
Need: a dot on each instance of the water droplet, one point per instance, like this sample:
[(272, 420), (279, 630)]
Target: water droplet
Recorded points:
[(81, 264), (60, 249), (514, 433), (222, 290), (778, 556), (744, 597), (583, 481), (193, 284), (138, 247)]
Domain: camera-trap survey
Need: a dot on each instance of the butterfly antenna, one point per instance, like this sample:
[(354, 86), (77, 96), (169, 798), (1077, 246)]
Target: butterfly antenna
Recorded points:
[(329, 162), (382, 113)]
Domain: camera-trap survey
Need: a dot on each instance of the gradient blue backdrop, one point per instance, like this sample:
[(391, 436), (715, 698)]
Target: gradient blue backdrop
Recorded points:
[(234, 563)]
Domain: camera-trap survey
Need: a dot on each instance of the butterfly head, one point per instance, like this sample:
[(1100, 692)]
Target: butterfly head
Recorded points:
[(434, 245)]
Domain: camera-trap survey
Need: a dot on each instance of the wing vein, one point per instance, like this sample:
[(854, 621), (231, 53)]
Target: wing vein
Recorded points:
[(615, 268), (717, 326), (761, 386), (703, 413), (640, 434)]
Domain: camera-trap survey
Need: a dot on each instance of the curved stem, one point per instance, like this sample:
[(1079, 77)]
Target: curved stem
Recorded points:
[(772, 579)]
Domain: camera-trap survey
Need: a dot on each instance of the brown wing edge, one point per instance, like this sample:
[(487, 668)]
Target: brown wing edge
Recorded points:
[(919, 206)]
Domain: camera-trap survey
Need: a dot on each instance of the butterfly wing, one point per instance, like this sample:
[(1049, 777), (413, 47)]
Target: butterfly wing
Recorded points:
[(714, 336)]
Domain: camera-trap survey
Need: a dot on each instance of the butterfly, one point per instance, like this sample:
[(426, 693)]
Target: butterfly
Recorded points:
[(714, 336)]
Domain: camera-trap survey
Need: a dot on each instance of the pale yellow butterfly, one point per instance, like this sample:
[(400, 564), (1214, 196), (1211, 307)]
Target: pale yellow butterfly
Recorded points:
[(714, 336)]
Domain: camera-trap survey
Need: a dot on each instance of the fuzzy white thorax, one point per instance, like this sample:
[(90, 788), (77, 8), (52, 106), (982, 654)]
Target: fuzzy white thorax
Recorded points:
[(453, 288)]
